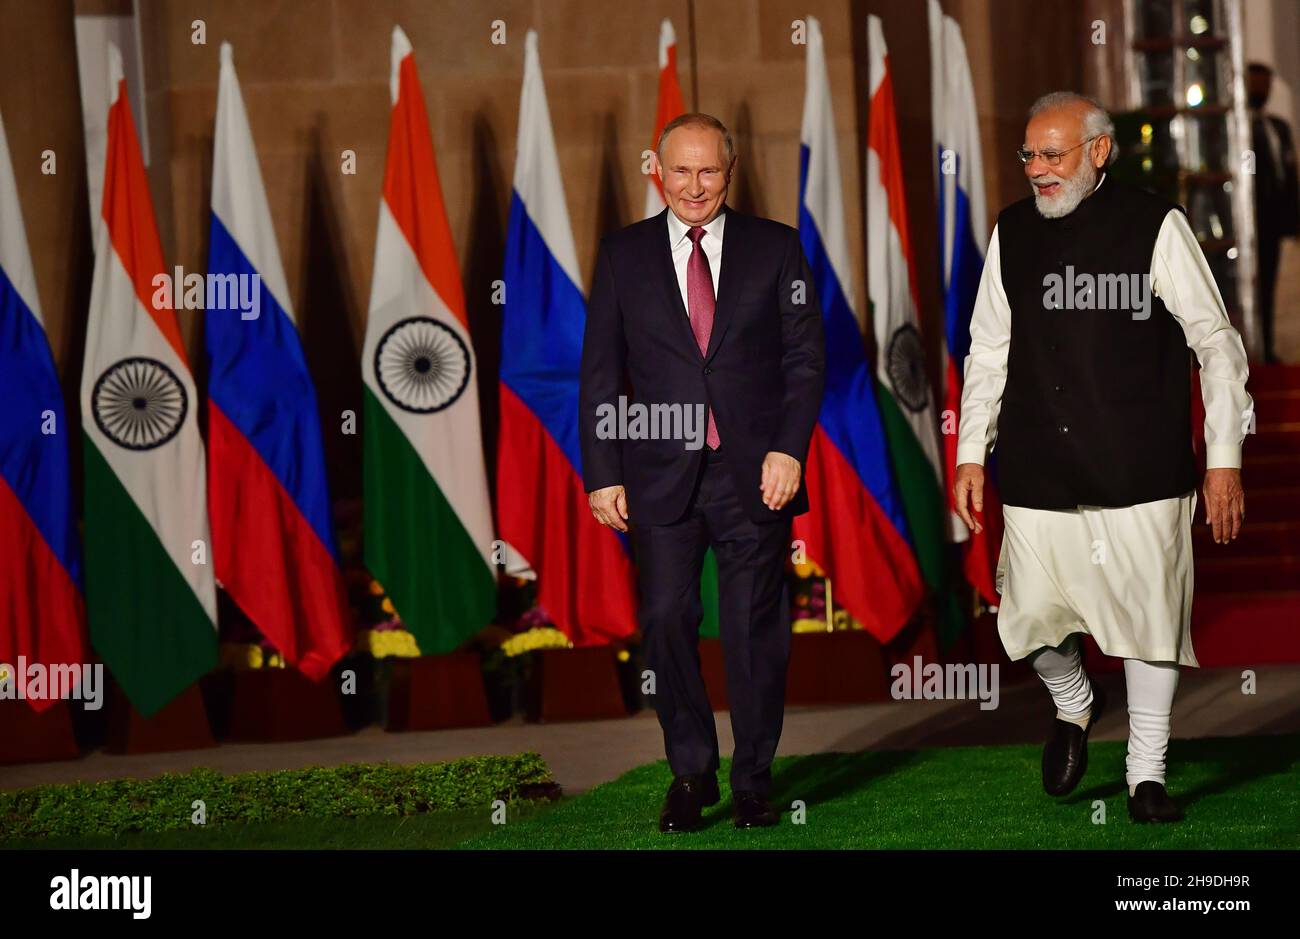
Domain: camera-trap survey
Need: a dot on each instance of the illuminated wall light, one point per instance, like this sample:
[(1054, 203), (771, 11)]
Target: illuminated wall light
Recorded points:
[(1195, 95), (1147, 133), (1199, 24), (1232, 254)]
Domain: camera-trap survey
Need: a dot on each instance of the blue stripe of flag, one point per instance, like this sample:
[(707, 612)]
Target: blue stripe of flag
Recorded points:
[(541, 334), (34, 463), (258, 376), (967, 265), (850, 414)]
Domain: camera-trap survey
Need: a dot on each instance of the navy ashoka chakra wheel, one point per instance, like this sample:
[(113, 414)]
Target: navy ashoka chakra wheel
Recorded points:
[(422, 365), (906, 366), (139, 403)]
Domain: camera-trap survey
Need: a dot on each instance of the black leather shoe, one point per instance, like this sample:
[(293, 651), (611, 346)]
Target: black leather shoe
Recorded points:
[(753, 810), (1065, 755), (687, 796), (1151, 803)]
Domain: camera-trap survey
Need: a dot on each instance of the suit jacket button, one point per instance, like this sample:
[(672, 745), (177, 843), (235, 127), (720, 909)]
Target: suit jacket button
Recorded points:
[(1059, 388), (1065, 428), (708, 371)]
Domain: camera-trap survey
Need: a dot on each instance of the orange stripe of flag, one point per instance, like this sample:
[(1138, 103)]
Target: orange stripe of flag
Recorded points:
[(882, 136), (128, 212), (671, 105), (414, 195)]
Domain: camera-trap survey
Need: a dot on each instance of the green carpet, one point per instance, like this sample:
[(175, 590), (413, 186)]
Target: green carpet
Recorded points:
[(1237, 792)]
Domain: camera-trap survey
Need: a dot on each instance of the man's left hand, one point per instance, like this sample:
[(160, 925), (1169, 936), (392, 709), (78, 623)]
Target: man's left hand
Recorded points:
[(780, 479), (1225, 503)]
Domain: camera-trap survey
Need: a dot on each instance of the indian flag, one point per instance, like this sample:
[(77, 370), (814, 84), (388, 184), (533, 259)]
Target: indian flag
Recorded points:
[(906, 402), (428, 519), (150, 595), (670, 105)]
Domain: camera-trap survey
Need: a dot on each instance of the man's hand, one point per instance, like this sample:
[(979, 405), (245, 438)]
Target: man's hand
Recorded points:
[(1225, 503), (970, 481), (780, 479), (609, 505)]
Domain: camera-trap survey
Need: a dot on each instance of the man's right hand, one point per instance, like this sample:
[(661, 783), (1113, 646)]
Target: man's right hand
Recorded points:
[(970, 481), (609, 505)]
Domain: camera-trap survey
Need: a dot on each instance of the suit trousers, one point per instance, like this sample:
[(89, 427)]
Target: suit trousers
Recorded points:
[(754, 621)]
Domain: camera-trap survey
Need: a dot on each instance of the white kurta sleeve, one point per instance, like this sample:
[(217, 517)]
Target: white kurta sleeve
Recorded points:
[(1181, 277), (986, 365)]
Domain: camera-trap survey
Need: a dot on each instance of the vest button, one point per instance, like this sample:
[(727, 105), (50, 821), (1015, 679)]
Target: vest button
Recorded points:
[(1060, 388), (1064, 428)]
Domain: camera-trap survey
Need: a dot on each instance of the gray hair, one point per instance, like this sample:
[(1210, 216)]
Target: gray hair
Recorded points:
[(1096, 119), (698, 119)]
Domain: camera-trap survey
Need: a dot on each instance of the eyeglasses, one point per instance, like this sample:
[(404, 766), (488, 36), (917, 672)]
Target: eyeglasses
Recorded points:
[(1050, 157)]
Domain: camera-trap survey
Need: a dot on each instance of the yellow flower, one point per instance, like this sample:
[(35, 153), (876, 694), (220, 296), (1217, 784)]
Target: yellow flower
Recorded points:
[(376, 589), (387, 607), (542, 637)]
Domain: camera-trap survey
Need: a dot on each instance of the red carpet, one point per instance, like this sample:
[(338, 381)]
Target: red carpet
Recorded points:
[(1247, 608)]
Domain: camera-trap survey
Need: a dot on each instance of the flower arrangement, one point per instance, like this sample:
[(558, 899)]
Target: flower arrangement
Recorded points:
[(813, 609), (541, 637), (383, 635), (245, 655), (533, 631)]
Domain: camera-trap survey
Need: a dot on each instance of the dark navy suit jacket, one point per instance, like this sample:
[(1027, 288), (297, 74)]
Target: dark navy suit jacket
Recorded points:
[(763, 372)]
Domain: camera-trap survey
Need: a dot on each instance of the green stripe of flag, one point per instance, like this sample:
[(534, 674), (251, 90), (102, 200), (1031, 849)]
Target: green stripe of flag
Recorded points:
[(925, 510), (415, 544), (145, 621), (709, 596)]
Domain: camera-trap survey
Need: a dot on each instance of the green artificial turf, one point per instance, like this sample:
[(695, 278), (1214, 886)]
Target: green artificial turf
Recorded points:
[(1241, 793)]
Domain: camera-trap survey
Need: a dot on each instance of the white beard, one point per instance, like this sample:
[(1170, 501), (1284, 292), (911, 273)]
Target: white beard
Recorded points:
[(1074, 189)]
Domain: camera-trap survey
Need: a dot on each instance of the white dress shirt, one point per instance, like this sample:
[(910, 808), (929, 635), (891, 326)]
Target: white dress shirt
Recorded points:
[(680, 243), (1181, 277)]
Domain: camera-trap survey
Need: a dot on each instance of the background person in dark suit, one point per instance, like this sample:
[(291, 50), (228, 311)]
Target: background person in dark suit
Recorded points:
[(1277, 192), (702, 306)]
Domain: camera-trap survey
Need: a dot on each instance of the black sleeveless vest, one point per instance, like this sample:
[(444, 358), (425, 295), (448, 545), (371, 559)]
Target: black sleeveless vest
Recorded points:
[(1097, 404)]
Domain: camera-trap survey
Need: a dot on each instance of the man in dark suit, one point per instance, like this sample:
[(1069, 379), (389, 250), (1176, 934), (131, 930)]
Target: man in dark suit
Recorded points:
[(702, 310), (1277, 192)]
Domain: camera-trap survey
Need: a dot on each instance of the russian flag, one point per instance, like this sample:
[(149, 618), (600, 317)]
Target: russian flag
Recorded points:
[(855, 529), (42, 612), (583, 570), (959, 182), (272, 533)]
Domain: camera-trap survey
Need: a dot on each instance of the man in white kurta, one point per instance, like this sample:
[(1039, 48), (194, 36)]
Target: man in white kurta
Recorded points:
[(1121, 574)]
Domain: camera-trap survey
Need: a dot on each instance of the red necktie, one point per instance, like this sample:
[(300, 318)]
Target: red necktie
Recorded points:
[(699, 304)]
